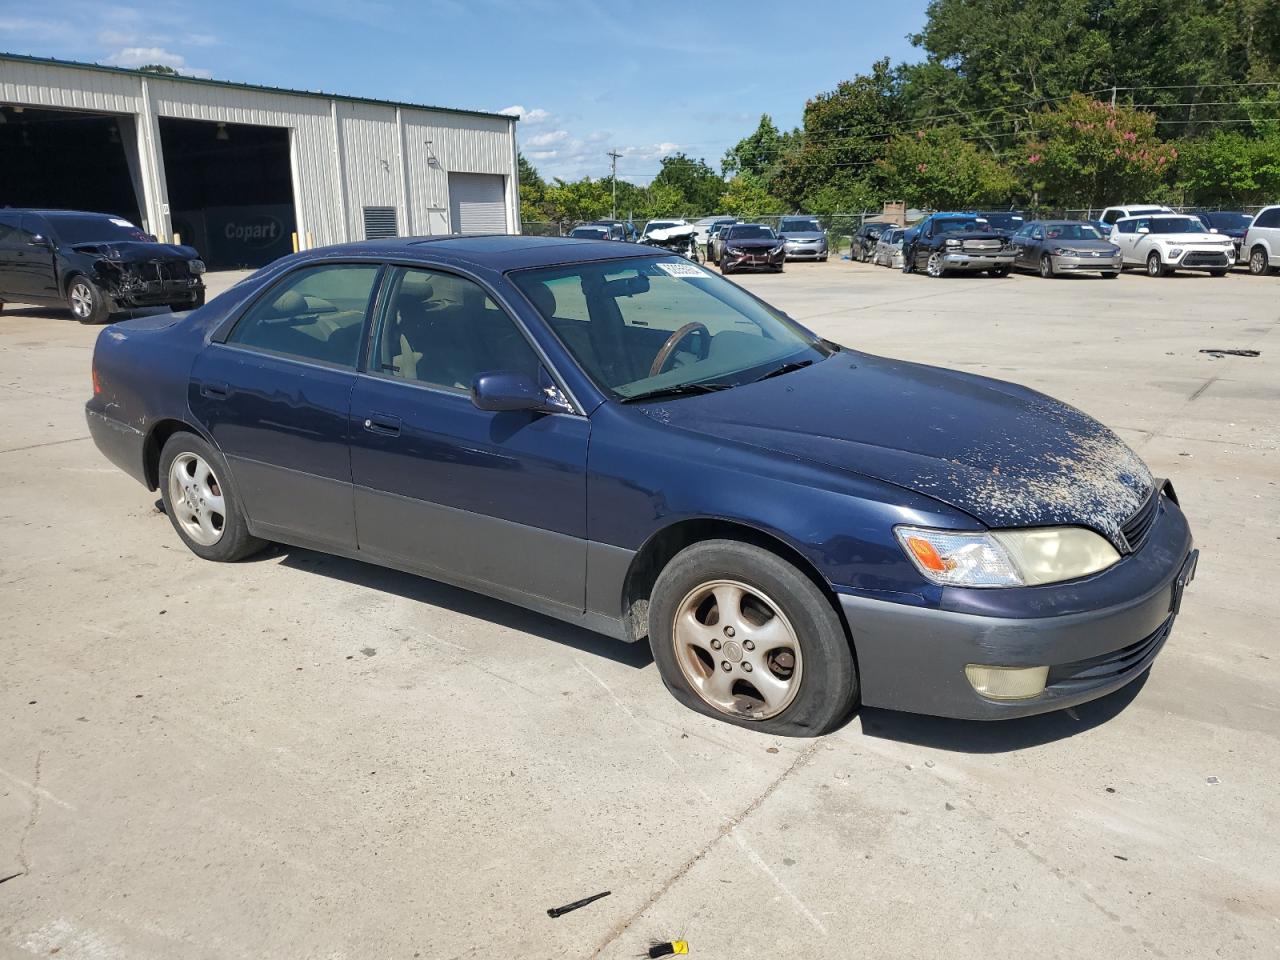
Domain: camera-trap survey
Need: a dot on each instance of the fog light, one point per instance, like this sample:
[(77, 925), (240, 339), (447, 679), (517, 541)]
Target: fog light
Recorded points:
[(1007, 683)]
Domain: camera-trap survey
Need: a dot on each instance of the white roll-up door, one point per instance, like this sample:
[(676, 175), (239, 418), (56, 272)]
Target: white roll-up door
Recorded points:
[(478, 202)]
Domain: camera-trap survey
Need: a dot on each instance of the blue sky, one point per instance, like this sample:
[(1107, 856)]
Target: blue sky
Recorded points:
[(648, 78)]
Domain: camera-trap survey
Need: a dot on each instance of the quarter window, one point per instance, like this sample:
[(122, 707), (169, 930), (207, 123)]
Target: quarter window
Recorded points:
[(316, 314), (1268, 218), (442, 330)]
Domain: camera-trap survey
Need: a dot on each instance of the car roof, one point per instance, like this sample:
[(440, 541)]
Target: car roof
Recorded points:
[(1158, 215), (498, 252), (61, 213)]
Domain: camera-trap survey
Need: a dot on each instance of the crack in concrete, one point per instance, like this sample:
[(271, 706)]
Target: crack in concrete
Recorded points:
[(729, 826), (23, 861), (47, 443)]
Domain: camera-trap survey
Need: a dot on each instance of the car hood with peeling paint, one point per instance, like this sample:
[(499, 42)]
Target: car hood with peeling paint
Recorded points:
[(1004, 454)]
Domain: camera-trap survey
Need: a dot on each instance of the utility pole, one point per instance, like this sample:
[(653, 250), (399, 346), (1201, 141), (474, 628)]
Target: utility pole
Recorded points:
[(1113, 97), (614, 155)]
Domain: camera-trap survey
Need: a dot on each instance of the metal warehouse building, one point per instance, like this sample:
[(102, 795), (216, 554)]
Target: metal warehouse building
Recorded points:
[(244, 172)]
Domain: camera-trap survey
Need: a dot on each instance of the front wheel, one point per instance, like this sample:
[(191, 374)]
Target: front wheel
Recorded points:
[(999, 271), (88, 304), (740, 634), (935, 266), (200, 503), (1046, 267), (1217, 273), (1109, 275)]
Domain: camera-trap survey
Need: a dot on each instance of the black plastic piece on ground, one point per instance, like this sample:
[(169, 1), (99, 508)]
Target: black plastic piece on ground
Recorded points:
[(559, 911)]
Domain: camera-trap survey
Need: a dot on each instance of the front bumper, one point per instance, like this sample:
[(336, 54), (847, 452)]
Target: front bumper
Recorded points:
[(1068, 263), (764, 258), (1214, 259), (913, 658), (136, 292), (805, 251), (978, 261)]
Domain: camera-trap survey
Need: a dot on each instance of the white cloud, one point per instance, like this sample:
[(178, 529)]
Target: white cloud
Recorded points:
[(143, 56), (548, 138), (536, 115), (515, 110)]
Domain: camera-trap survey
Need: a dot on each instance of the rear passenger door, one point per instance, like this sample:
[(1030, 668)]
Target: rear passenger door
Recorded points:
[(275, 394), (494, 501)]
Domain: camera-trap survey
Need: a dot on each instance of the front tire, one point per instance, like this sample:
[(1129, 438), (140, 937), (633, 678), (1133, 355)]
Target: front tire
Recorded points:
[(934, 267), (1217, 273), (86, 302), (1110, 275), (200, 502), (1155, 268), (1046, 267), (790, 667)]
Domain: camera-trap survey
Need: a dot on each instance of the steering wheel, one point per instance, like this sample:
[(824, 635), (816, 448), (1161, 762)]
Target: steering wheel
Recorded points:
[(669, 348)]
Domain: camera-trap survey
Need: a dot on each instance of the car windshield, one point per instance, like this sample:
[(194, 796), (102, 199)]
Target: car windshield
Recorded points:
[(1004, 221), (1227, 221), (590, 233), (958, 226), (645, 326), (751, 232), (1177, 225), (799, 225), (1072, 231), (661, 225), (78, 229)]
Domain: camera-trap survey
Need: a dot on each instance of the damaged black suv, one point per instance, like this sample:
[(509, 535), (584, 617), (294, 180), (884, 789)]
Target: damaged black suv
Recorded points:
[(94, 264)]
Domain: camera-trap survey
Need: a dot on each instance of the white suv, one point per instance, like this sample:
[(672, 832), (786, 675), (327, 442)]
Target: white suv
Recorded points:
[(1262, 241), (1112, 214), (1165, 242)]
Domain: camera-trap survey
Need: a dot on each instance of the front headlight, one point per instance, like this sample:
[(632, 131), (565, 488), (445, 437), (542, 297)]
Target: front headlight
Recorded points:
[(954, 243), (1175, 252), (196, 266), (1006, 558), (778, 248)]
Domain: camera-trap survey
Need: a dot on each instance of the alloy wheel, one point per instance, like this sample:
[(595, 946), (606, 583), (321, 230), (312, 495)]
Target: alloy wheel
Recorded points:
[(81, 300), (934, 266), (1046, 267), (1154, 268), (196, 496), (1258, 263), (737, 650)]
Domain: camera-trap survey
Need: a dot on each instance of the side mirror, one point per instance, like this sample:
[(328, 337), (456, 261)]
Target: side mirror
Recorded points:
[(1213, 229), (39, 240), (506, 390), (1144, 230), (152, 238)]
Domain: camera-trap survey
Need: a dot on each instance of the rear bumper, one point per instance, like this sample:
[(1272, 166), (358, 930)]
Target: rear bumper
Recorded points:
[(978, 261), (119, 442), (913, 658), (1070, 264)]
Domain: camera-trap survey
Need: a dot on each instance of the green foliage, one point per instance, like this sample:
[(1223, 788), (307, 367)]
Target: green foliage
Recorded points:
[(747, 197), (1087, 153), (698, 186), (759, 153), (1229, 169), (938, 168)]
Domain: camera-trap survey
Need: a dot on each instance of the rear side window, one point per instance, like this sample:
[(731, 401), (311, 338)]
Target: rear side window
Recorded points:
[(315, 314)]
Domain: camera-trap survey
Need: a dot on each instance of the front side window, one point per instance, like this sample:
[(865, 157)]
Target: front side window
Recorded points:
[(441, 330), (1128, 226), (315, 314), (647, 325)]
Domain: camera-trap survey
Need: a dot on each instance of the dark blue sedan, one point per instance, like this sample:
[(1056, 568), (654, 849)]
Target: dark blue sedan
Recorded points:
[(626, 441)]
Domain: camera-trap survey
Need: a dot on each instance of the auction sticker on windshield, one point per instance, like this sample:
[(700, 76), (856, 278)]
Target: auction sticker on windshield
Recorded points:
[(681, 270)]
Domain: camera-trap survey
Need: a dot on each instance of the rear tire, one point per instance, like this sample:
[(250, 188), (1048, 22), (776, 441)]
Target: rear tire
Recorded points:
[(1259, 264), (86, 302), (202, 504), (808, 663)]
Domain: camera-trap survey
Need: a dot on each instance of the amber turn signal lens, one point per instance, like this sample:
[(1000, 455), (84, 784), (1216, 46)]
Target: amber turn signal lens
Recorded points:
[(97, 384), (926, 554)]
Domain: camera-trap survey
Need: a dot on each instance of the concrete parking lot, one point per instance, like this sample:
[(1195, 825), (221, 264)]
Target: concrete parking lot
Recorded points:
[(302, 756)]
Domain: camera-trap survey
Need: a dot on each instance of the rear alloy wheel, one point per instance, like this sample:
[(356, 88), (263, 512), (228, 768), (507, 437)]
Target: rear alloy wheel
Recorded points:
[(1154, 267), (740, 634), (1258, 262), (1046, 267), (934, 267), (200, 505), (87, 303)]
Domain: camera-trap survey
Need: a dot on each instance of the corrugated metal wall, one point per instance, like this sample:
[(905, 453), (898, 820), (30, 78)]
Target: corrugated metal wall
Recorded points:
[(389, 156)]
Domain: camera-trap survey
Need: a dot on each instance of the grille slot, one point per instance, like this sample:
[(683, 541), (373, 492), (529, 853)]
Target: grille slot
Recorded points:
[(982, 245), (1138, 527), (1205, 258), (1096, 670)]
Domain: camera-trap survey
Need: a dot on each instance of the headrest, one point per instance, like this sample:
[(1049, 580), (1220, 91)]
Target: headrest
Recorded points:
[(289, 304), (543, 299)]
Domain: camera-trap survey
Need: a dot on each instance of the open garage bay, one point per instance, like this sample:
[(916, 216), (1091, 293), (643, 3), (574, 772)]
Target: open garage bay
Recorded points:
[(302, 756)]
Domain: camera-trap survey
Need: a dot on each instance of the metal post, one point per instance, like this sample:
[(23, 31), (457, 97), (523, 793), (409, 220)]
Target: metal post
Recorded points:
[(1113, 98), (614, 155)]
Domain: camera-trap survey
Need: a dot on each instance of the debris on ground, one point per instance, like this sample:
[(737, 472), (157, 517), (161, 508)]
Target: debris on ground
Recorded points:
[(560, 911), (671, 948), (1232, 352), (1212, 780)]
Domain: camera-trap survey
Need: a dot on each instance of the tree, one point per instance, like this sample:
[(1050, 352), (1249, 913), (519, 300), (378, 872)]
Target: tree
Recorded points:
[(698, 185), (940, 169), (570, 202), (1229, 169), (533, 191), (746, 197), (1087, 153), (160, 68), (759, 153)]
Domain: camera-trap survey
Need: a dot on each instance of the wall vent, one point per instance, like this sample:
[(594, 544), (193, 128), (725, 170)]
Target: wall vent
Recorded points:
[(380, 223)]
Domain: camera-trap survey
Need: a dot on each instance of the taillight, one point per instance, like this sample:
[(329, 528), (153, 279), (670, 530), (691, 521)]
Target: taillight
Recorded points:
[(97, 384)]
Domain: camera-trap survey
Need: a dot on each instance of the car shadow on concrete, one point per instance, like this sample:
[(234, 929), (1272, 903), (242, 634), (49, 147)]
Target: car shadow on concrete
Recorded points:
[(458, 600), (998, 736)]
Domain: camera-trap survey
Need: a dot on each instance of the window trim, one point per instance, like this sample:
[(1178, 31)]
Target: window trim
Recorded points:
[(380, 306), (222, 334)]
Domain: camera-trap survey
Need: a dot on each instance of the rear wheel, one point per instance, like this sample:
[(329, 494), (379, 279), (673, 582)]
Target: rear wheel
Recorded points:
[(200, 503), (1258, 263), (88, 304), (740, 634)]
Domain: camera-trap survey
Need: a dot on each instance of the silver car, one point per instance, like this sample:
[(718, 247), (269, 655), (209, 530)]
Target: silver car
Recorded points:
[(1053, 247), (803, 238), (888, 251)]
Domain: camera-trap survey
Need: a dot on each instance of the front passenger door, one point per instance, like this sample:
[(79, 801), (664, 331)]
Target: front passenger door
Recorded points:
[(491, 500)]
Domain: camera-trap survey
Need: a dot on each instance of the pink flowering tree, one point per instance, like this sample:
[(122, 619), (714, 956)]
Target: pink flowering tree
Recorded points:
[(1086, 153)]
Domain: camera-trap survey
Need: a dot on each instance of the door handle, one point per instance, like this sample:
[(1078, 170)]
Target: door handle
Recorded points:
[(383, 424), (215, 390)]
